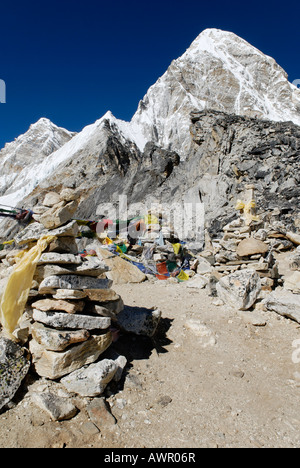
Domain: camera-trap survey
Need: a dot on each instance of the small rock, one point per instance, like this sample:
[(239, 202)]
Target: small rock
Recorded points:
[(58, 408), (100, 415), (92, 380), (67, 294), (51, 199), (89, 428), (72, 282), (239, 374), (164, 400), (198, 282)]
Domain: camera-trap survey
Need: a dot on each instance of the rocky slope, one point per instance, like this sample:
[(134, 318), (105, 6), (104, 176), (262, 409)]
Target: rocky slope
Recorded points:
[(227, 152)]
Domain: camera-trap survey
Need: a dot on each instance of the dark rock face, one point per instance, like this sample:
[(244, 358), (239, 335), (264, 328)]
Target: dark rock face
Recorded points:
[(238, 150)]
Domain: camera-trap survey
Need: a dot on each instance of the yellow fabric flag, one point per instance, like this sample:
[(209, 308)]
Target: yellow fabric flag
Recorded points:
[(246, 208), (176, 248), (182, 276), (17, 289), (151, 219)]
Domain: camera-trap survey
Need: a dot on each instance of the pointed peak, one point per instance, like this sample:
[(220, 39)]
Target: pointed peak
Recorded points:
[(43, 121)]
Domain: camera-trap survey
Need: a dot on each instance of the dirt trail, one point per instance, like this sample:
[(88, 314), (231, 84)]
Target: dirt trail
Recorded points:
[(210, 379)]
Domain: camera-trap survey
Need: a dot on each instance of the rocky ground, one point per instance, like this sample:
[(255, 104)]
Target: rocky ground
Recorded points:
[(211, 378)]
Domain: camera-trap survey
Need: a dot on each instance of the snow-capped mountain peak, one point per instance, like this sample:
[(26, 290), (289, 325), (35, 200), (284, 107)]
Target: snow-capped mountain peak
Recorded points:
[(31, 148), (218, 71)]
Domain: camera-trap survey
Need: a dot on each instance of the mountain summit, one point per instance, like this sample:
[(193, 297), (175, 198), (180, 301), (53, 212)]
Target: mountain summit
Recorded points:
[(219, 71)]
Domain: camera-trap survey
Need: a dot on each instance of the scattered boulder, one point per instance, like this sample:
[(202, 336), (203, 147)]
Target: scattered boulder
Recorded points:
[(121, 271), (139, 320), (239, 289), (284, 303)]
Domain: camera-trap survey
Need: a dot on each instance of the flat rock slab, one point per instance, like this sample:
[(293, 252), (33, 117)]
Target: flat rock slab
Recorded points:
[(46, 305), (121, 271), (89, 267), (101, 295), (59, 259), (49, 284), (53, 365), (100, 414), (69, 294), (251, 246), (64, 320), (57, 340), (92, 380), (34, 231), (13, 368)]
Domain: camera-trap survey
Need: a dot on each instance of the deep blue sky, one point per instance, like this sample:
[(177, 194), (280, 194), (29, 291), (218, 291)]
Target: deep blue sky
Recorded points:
[(71, 61)]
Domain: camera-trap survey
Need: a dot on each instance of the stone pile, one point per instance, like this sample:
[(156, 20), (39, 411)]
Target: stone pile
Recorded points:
[(72, 314), (246, 244), (71, 302), (257, 259)]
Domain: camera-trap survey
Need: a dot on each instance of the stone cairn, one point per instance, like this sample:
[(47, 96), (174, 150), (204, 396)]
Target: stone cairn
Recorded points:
[(71, 316), (255, 264), (72, 304)]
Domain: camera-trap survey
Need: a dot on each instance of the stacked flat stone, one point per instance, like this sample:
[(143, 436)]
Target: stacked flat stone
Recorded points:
[(71, 303)]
